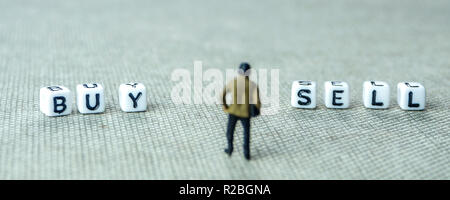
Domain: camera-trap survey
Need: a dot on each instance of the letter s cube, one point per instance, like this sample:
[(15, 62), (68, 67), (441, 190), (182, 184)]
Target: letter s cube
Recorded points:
[(303, 94), (133, 97), (55, 101)]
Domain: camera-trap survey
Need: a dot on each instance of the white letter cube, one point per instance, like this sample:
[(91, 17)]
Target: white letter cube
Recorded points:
[(411, 96), (303, 94), (336, 94), (55, 101), (132, 97), (90, 98), (376, 94)]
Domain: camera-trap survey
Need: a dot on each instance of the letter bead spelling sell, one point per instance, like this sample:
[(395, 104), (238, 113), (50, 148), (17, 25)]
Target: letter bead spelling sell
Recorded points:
[(411, 96), (337, 94), (376, 94), (303, 94)]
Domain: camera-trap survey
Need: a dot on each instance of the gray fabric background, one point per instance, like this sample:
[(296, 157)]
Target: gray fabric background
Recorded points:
[(113, 42)]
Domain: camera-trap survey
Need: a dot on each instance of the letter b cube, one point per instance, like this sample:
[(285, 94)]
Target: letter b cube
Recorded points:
[(132, 97), (411, 96), (337, 94), (55, 101), (303, 94)]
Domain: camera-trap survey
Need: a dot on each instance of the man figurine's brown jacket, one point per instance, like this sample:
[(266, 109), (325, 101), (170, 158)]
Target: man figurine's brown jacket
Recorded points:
[(245, 92)]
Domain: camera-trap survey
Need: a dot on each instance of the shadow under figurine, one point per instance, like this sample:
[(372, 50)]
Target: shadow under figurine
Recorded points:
[(246, 104)]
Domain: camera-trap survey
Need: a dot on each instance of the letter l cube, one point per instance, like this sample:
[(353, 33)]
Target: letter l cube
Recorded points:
[(376, 94), (411, 96)]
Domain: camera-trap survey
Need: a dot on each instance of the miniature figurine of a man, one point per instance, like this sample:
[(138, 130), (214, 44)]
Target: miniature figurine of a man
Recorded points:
[(246, 104)]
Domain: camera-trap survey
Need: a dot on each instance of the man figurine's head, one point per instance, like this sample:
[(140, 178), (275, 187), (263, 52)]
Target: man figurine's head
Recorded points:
[(244, 69)]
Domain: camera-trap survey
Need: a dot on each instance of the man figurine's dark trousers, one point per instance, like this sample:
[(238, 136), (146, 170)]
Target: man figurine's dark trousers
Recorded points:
[(232, 120)]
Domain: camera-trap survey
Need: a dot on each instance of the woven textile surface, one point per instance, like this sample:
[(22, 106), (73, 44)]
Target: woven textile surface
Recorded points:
[(112, 42)]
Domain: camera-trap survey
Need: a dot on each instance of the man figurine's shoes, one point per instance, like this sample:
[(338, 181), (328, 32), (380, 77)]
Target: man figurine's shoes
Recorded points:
[(228, 151), (247, 156)]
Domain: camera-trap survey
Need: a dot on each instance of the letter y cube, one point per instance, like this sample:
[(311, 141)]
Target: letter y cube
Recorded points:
[(132, 97)]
